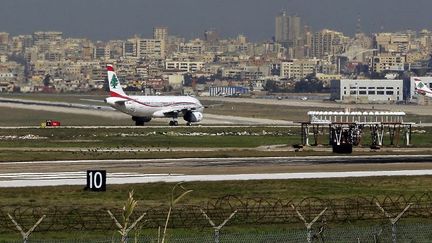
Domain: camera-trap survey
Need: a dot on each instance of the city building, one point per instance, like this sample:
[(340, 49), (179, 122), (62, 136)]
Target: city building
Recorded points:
[(281, 27), (151, 48), (288, 30), (49, 36), (228, 90), (392, 42), (298, 68), (211, 36), (327, 43), (184, 66), (102, 52), (387, 62), (160, 33), (4, 38), (246, 72), (367, 90)]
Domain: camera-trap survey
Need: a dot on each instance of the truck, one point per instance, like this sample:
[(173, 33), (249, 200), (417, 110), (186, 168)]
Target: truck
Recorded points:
[(50, 123)]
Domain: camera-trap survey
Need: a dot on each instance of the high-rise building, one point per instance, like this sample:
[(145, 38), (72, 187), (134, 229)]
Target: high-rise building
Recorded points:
[(288, 30), (327, 43), (130, 48), (294, 30), (144, 48), (281, 27), (102, 51), (151, 48), (4, 38), (211, 36), (87, 51), (160, 33), (4, 42)]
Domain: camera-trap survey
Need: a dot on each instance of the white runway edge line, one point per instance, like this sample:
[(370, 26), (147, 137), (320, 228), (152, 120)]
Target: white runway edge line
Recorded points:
[(151, 178)]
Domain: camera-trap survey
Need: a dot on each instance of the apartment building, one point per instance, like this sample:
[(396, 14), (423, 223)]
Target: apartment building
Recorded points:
[(387, 62), (298, 68), (184, 66)]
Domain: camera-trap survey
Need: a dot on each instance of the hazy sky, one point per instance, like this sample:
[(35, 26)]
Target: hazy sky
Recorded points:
[(119, 19)]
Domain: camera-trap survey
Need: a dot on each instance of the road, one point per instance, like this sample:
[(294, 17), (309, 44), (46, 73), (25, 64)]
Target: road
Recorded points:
[(55, 173)]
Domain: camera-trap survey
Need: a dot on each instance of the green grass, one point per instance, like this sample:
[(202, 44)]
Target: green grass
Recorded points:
[(279, 112), (275, 111), (158, 193), (61, 155), (23, 117), (149, 141), (158, 141), (67, 98), (147, 137)]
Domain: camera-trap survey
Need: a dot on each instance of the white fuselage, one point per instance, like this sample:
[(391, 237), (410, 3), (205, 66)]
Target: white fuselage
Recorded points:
[(425, 92), (156, 106)]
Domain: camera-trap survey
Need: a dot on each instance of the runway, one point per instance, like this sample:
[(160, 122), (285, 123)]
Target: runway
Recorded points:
[(136, 171), (108, 112), (241, 161), (79, 178)]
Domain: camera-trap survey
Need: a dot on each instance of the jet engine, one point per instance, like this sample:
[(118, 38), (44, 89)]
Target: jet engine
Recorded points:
[(193, 116)]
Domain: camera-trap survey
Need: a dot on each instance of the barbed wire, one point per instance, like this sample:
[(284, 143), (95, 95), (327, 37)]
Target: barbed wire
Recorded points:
[(250, 211)]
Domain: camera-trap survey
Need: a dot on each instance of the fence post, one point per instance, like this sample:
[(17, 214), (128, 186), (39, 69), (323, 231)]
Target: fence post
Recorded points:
[(308, 225), (393, 221), (219, 227), (25, 235)]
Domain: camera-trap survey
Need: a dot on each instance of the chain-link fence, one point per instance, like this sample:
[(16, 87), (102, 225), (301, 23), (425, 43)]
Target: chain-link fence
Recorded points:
[(418, 231)]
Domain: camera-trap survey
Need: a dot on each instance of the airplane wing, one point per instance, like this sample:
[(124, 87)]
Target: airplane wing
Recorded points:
[(115, 100), (172, 112), (92, 100), (120, 102), (214, 105)]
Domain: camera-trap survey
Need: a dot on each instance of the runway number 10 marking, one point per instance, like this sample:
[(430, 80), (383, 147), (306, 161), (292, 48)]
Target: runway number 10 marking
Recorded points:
[(96, 180)]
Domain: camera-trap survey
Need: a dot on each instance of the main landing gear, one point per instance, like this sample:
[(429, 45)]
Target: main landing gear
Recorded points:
[(139, 123), (173, 123)]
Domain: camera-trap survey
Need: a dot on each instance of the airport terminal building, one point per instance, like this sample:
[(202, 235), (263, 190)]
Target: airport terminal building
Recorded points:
[(367, 90)]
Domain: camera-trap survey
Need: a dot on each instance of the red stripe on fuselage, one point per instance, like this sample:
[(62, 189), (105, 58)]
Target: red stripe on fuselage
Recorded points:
[(114, 94), (424, 91)]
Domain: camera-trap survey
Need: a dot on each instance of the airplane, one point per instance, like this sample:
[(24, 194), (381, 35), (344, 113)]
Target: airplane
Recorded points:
[(144, 108), (422, 89)]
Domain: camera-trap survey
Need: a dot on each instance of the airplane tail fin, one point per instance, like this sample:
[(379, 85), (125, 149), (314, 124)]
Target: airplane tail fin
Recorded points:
[(421, 87), (114, 83)]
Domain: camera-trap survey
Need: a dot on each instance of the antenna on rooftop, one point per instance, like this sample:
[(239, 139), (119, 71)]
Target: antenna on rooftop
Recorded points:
[(358, 26)]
